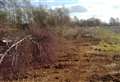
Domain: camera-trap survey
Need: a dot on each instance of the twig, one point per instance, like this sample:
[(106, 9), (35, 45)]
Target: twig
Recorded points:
[(6, 52)]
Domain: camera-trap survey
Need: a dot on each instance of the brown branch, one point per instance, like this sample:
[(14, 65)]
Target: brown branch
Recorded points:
[(15, 44)]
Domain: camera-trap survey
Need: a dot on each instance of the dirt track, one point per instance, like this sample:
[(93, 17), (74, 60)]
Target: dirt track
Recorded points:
[(73, 63)]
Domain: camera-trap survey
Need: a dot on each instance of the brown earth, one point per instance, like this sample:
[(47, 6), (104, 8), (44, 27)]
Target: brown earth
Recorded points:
[(77, 61)]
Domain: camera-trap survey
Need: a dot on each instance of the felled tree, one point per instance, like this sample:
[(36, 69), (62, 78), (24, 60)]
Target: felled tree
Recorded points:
[(35, 50), (15, 61)]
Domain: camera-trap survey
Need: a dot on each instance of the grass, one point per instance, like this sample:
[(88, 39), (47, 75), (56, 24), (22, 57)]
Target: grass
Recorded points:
[(108, 35), (109, 47), (110, 41)]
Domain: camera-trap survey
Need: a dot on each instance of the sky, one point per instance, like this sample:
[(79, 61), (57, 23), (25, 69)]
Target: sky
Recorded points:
[(84, 9)]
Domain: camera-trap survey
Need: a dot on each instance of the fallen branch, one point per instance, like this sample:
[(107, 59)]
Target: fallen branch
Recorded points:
[(15, 44)]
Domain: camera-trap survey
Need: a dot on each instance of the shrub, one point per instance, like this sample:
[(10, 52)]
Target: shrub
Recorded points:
[(44, 46)]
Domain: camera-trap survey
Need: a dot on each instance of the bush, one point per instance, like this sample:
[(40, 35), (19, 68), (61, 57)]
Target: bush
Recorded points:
[(44, 46)]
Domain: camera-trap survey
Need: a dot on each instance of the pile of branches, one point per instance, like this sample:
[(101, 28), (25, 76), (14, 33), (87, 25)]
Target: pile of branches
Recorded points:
[(32, 51)]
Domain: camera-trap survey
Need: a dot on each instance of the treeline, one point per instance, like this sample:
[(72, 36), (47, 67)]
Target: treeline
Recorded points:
[(21, 13), (96, 22)]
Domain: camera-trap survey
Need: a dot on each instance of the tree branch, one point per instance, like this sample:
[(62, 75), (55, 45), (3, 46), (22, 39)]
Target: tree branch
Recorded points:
[(15, 44)]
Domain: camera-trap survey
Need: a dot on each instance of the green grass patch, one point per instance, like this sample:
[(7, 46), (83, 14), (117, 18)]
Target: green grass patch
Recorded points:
[(109, 47), (110, 41), (107, 35)]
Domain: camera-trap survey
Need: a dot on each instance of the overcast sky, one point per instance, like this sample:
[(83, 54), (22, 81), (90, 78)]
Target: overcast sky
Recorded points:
[(102, 9)]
